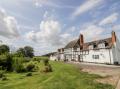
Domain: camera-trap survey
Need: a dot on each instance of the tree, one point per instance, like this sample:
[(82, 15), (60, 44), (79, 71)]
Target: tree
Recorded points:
[(6, 61), (21, 52), (4, 49), (29, 52)]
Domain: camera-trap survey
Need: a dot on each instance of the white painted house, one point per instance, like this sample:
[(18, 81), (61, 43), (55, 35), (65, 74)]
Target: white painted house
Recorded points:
[(100, 51), (53, 56)]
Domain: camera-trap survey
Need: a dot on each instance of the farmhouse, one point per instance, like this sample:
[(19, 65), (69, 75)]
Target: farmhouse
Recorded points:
[(99, 51)]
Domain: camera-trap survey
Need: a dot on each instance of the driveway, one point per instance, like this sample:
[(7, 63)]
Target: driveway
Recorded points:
[(111, 73)]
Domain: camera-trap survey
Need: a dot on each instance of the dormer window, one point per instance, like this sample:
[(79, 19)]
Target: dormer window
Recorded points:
[(106, 44), (94, 46)]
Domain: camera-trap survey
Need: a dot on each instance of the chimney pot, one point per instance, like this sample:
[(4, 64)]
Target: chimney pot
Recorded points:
[(113, 37), (81, 41)]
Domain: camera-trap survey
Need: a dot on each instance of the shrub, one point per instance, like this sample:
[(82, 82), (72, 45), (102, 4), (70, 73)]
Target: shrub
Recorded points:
[(2, 74), (6, 61), (48, 68), (27, 59), (0, 67), (38, 59), (4, 78), (30, 66), (29, 74), (18, 64), (46, 61)]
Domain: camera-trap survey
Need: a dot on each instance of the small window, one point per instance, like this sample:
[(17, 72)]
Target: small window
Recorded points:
[(106, 44), (95, 56), (94, 46)]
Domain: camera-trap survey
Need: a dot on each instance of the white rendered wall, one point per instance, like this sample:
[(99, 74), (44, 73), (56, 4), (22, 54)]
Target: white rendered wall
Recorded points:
[(68, 54), (116, 51), (61, 57), (53, 57), (105, 56)]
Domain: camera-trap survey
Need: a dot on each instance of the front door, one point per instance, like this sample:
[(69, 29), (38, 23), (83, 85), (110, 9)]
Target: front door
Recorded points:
[(80, 58)]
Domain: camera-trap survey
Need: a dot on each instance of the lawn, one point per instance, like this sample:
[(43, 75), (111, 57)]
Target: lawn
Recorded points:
[(64, 76)]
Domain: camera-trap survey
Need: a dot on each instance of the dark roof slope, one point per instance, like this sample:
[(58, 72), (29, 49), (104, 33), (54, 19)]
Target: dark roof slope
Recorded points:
[(75, 43), (71, 44), (107, 40)]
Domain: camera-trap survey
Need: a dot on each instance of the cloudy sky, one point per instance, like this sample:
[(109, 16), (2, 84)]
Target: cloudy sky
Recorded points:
[(47, 25)]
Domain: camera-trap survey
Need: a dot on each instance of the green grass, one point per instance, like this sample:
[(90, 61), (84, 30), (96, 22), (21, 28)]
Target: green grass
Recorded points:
[(64, 76)]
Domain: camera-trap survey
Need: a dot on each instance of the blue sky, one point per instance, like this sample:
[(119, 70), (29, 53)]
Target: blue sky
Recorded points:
[(47, 25)]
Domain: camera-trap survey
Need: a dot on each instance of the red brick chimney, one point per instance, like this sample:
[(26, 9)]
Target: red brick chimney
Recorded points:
[(113, 37), (81, 41)]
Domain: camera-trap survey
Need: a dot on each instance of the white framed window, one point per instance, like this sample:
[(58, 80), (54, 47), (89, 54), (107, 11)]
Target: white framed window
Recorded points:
[(95, 56)]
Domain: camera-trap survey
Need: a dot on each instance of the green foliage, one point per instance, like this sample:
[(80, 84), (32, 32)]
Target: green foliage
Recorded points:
[(18, 64), (4, 49), (30, 66), (38, 59), (29, 74), (48, 68), (17, 54), (0, 67), (4, 78), (65, 76), (27, 51), (46, 61), (2, 73), (21, 52), (6, 61)]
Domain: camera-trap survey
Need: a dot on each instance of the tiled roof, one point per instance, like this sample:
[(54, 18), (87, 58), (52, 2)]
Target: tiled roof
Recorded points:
[(86, 45), (71, 44), (107, 40)]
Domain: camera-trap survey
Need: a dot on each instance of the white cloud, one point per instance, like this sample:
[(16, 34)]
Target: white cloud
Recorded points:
[(92, 32), (50, 3), (31, 35), (50, 34), (8, 25), (110, 19), (116, 27), (45, 14), (86, 6)]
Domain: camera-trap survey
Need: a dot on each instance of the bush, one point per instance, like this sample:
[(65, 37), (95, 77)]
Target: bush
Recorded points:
[(4, 78), (46, 61), (48, 68), (18, 64), (0, 67), (2, 74), (30, 66), (6, 61), (29, 74), (27, 59), (38, 59)]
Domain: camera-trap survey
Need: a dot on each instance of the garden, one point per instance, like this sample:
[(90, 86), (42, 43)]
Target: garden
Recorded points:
[(22, 70)]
